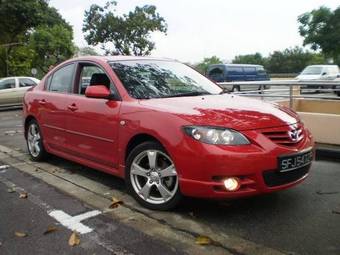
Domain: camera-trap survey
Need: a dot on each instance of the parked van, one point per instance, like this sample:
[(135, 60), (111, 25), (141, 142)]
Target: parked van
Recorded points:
[(319, 72), (237, 72)]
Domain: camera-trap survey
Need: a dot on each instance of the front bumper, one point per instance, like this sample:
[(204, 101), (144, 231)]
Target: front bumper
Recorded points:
[(202, 168)]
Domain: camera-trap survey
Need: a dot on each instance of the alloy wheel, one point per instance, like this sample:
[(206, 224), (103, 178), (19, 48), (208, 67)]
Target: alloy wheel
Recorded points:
[(153, 177), (33, 140)]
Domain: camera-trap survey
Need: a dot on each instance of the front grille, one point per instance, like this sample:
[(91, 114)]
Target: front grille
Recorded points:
[(274, 178), (287, 136)]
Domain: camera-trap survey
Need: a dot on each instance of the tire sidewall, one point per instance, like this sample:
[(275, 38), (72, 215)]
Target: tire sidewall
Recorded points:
[(173, 202)]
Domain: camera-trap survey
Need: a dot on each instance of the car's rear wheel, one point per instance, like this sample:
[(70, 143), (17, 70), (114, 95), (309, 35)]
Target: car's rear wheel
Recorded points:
[(34, 141), (152, 178)]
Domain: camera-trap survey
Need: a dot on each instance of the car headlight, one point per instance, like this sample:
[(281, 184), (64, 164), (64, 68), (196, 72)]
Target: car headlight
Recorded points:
[(216, 135)]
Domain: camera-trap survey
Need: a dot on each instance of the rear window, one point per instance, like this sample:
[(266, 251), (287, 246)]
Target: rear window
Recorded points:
[(62, 79), (216, 74)]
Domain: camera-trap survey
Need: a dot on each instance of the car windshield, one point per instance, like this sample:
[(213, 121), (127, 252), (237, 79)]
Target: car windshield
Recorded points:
[(312, 70), (145, 79)]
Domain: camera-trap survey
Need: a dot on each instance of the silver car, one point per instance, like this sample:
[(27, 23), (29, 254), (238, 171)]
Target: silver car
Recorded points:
[(12, 90)]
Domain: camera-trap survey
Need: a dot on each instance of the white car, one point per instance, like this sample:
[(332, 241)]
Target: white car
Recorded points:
[(319, 72), (12, 90)]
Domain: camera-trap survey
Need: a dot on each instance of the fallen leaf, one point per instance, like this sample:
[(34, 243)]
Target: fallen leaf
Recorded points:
[(74, 239), (11, 190), (20, 234), (23, 195), (50, 229), (115, 203), (203, 240)]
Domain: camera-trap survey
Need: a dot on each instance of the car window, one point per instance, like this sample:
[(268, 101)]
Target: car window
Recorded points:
[(216, 74), (25, 82), (235, 70), (88, 74), (249, 70), (7, 84), (62, 79)]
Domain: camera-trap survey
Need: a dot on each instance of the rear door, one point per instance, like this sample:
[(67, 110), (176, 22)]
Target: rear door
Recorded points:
[(53, 106), (8, 92), (92, 123)]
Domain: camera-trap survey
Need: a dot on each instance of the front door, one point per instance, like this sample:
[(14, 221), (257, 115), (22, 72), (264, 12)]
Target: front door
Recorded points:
[(92, 123)]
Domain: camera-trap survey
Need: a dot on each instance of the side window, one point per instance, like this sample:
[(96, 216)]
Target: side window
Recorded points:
[(62, 79), (235, 70), (92, 75), (7, 84), (250, 70), (25, 82)]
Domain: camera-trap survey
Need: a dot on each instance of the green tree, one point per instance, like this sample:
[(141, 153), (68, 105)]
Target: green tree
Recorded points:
[(51, 45), (256, 59), (320, 28), (86, 51), (292, 60), (203, 66), (19, 20), (128, 34)]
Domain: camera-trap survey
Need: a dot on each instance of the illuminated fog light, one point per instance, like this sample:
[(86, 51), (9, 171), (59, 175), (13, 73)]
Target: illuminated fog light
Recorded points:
[(232, 184)]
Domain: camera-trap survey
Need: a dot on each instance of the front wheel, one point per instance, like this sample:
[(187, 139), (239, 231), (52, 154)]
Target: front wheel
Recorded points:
[(35, 141), (152, 178)]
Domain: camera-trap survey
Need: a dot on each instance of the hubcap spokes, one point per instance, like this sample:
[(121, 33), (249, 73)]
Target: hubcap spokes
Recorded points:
[(33, 139), (154, 177)]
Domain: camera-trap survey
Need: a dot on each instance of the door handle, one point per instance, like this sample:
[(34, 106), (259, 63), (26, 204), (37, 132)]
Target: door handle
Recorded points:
[(42, 101), (72, 107)]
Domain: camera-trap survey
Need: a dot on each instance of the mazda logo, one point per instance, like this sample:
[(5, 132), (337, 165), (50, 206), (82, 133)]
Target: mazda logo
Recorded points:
[(294, 135)]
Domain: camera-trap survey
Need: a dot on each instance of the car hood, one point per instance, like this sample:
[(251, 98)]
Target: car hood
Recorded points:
[(229, 111)]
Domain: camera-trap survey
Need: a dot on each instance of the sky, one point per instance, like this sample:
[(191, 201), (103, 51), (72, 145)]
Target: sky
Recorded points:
[(203, 28)]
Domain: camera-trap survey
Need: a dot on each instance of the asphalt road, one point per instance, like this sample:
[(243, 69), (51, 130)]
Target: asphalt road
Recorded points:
[(301, 220)]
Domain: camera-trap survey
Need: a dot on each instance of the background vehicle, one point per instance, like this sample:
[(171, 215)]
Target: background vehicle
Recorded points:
[(12, 90), (237, 72), (318, 72)]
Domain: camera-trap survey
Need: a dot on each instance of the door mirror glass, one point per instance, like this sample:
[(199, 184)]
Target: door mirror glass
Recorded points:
[(97, 91)]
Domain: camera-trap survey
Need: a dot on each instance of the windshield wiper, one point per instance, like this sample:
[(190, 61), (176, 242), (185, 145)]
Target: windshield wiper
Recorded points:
[(188, 94)]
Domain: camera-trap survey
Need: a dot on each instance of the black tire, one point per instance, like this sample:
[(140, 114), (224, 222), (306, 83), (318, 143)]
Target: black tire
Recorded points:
[(42, 154), (236, 88), (138, 150)]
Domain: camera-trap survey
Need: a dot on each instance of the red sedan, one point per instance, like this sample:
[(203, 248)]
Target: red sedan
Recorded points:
[(166, 129)]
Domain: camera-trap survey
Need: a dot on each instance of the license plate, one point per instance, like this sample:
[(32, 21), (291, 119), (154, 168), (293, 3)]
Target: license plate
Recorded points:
[(294, 161)]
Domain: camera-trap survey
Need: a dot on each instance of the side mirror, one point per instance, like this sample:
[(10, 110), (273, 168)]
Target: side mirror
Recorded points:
[(324, 73), (97, 91), (338, 76)]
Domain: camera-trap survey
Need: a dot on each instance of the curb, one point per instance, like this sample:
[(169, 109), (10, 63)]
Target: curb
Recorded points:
[(330, 152)]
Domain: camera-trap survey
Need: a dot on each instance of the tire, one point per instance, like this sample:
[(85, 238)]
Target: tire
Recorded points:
[(236, 88), (34, 141), (151, 177)]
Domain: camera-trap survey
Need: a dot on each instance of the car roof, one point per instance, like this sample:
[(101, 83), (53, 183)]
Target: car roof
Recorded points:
[(119, 58), (323, 65), (235, 65), (13, 77)]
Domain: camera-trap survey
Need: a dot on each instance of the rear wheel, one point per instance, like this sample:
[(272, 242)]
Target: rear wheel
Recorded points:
[(236, 88), (34, 141), (152, 178)]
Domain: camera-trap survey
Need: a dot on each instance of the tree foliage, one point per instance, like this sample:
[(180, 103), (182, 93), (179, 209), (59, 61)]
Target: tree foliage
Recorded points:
[(86, 51), (321, 29), (290, 60), (256, 59), (22, 23), (203, 65), (128, 34)]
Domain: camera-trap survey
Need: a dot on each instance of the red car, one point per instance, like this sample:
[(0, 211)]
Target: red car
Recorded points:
[(166, 129)]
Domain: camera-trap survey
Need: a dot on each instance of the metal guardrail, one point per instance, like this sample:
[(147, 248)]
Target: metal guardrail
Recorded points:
[(263, 89)]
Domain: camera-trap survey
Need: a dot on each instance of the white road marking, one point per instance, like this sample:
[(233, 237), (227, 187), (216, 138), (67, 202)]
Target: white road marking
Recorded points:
[(3, 167), (74, 222)]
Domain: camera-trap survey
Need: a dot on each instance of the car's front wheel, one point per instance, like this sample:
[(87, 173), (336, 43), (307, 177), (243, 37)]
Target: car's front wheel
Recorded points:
[(35, 141), (152, 178)]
